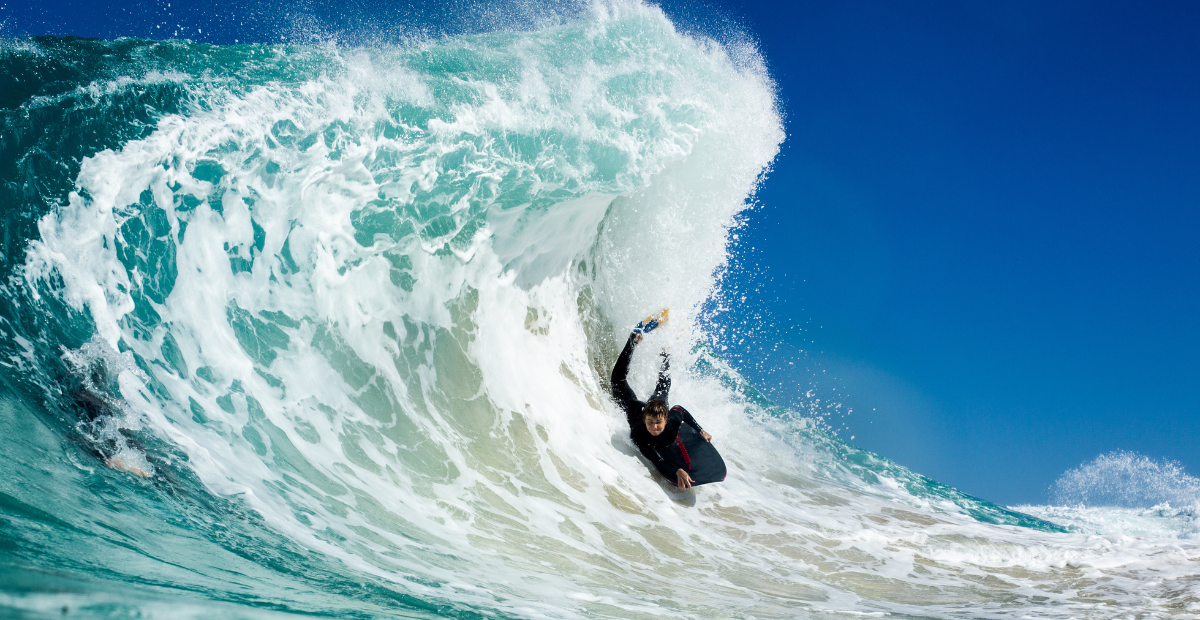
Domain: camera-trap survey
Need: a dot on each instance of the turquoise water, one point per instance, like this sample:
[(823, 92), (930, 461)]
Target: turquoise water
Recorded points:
[(326, 331)]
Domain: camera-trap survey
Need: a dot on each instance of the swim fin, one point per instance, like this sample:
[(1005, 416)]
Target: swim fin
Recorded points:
[(651, 322)]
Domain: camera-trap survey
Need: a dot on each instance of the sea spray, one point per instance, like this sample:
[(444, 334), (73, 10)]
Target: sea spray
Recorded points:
[(1125, 493), (1127, 480)]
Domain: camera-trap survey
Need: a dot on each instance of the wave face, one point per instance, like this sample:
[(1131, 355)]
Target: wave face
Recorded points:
[(327, 331)]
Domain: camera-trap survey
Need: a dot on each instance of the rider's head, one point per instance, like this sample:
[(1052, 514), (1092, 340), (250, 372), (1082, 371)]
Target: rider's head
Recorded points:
[(655, 416)]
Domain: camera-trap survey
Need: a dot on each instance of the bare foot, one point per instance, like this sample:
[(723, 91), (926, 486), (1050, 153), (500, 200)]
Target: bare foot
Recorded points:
[(120, 465)]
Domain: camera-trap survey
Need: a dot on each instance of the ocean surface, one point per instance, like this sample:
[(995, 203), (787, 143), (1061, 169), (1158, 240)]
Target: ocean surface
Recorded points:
[(326, 330)]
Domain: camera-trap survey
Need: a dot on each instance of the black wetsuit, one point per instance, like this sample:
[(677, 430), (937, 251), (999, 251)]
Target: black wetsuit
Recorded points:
[(665, 451)]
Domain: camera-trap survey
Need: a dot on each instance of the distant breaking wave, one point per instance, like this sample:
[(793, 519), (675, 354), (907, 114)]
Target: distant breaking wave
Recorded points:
[(1126, 494), (327, 330), (1127, 480)]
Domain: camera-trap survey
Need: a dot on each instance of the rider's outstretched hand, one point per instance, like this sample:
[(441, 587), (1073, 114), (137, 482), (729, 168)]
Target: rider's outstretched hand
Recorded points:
[(683, 480), (707, 437)]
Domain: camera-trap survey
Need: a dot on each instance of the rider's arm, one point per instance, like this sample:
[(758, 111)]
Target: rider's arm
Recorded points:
[(663, 387), (688, 419), (620, 385)]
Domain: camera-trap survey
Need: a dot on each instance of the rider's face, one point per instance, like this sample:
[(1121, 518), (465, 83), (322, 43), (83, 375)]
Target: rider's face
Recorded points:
[(656, 424)]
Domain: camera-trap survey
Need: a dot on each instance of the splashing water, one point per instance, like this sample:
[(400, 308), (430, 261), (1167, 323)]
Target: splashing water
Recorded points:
[(347, 314), (1124, 493), (1127, 480)]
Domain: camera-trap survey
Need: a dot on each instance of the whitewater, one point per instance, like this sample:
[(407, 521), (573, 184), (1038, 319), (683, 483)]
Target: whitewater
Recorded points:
[(327, 330)]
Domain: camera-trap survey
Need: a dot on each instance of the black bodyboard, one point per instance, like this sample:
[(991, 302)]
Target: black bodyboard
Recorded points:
[(707, 465)]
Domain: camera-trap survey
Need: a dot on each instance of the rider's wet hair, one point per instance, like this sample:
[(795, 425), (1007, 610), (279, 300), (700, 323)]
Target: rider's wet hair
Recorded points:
[(656, 408)]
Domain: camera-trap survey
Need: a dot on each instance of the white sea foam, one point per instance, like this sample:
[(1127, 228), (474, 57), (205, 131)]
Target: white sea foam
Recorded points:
[(396, 297)]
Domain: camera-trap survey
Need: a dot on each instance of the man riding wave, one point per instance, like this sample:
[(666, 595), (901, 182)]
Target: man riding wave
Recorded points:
[(661, 434)]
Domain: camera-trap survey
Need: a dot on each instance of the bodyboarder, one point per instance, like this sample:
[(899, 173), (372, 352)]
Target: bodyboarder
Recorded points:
[(670, 439)]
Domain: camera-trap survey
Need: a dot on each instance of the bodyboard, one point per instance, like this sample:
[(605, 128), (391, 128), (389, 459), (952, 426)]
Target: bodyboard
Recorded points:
[(707, 464)]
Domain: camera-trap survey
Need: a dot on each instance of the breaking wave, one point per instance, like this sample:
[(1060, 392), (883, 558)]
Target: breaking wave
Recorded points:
[(1127, 480), (326, 330)]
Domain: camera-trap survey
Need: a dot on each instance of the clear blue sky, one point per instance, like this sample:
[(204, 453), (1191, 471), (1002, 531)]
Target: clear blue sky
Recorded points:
[(986, 216)]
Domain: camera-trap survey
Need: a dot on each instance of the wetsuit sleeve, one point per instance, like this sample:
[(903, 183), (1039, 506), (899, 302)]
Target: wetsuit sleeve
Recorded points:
[(620, 384), (663, 388), (688, 419)]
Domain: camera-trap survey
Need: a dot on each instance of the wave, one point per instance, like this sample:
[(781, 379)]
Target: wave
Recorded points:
[(1126, 494), (1127, 480), (327, 330)]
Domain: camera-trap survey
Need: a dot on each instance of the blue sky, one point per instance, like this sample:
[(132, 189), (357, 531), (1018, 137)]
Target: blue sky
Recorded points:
[(983, 232), (986, 217)]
